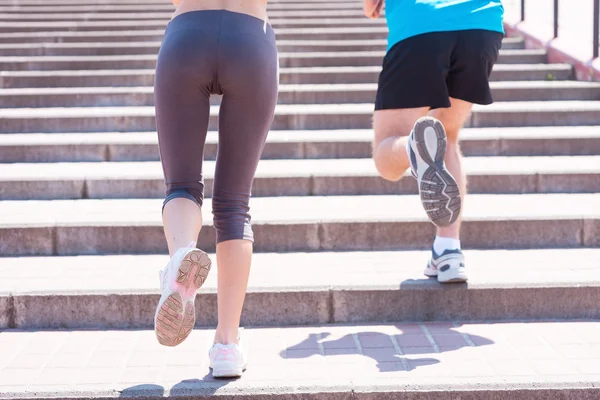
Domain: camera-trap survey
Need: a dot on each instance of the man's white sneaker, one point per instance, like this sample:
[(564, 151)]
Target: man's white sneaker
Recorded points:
[(449, 267), (180, 280), (227, 360), (438, 189)]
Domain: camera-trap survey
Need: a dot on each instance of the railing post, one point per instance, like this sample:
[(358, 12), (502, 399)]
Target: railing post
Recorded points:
[(522, 10), (596, 30), (555, 19)]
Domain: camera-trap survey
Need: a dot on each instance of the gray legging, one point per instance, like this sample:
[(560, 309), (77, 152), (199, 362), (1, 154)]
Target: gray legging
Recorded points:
[(216, 52)]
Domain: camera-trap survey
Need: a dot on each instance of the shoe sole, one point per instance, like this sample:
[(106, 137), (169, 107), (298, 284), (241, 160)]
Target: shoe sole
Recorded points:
[(457, 279), (228, 373), (439, 192), (175, 320)]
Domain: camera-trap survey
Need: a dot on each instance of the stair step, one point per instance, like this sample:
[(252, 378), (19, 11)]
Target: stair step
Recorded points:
[(314, 223), (286, 60), (96, 7), (292, 116), (124, 36), (142, 146), (353, 287), (152, 47), (288, 94), (296, 178), (513, 360), (35, 16), (50, 26), (302, 75), (323, 33)]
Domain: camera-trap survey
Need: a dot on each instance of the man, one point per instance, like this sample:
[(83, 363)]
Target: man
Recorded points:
[(440, 55)]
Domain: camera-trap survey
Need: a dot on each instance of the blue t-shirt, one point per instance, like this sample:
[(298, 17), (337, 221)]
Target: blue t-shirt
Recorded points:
[(407, 18)]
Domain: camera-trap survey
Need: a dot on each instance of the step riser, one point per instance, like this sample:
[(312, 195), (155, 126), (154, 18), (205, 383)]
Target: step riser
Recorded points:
[(157, 35), (312, 150), (285, 62), (116, 51), (137, 25), (273, 237), (35, 17), (153, 49), (285, 97), (309, 121), (296, 186), (136, 311), (79, 12), (557, 73)]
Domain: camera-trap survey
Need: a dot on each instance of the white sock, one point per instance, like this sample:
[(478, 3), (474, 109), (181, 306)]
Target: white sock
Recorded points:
[(441, 244)]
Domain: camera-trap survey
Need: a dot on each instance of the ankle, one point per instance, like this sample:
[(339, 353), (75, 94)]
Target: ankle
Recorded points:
[(227, 336), (441, 244)]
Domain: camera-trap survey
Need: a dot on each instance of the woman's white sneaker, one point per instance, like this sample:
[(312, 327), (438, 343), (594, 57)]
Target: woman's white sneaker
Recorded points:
[(180, 280), (227, 360)]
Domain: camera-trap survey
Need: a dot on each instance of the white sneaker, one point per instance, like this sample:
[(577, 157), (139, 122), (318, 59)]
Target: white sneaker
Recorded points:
[(227, 360), (426, 148), (180, 280), (448, 267)]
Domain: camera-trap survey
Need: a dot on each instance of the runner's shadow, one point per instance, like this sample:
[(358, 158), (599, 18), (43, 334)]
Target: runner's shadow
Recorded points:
[(192, 388), (390, 355), (188, 388), (143, 391)]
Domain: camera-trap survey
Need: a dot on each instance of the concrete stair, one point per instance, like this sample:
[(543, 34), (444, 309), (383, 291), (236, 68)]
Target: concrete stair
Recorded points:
[(522, 284), (340, 252)]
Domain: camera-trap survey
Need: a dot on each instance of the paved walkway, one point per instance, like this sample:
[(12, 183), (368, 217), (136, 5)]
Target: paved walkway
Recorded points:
[(403, 357)]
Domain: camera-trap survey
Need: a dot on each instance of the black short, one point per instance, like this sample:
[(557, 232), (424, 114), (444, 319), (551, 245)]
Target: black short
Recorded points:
[(426, 70)]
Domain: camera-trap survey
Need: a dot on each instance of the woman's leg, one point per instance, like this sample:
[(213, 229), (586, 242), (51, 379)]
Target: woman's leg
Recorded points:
[(249, 80), (183, 76)]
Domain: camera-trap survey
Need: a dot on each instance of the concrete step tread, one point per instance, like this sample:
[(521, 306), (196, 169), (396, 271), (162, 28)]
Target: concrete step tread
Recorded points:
[(291, 136), (302, 210), (308, 54), (155, 43), (288, 70), (375, 43), (282, 145), (276, 22), (517, 360), (121, 34), (306, 272), (309, 87), (34, 15), (295, 109), (156, 7), (561, 165)]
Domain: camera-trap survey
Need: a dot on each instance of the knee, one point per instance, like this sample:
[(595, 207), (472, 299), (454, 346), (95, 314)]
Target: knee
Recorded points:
[(386, 165), (231, 216)]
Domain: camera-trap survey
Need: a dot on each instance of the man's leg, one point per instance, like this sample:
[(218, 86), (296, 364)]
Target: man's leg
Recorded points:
[(447, 261), (392, 128), (453, 119)]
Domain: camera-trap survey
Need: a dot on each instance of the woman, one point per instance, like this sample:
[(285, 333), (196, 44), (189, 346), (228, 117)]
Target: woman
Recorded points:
[(212, 47)]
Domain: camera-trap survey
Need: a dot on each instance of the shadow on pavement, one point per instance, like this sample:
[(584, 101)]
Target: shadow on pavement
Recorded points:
[(384, 351), (207, 386)]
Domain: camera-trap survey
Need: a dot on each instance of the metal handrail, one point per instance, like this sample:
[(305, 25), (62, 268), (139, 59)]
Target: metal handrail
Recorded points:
[(595, 30)]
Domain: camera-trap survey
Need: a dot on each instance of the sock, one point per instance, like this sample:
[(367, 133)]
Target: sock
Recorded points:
[(441, 244)]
